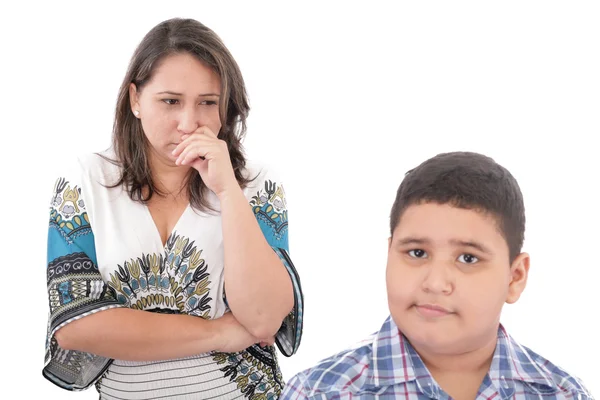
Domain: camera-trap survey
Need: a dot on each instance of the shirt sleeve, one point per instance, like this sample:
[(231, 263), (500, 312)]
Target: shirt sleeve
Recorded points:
[(269, 206), (75, 287)]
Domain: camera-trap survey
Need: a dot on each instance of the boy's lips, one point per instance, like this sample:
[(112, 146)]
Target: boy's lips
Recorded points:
[(432, 310)]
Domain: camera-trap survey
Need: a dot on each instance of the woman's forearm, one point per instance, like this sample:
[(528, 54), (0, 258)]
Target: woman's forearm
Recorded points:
[(258, 286), (126, 334)]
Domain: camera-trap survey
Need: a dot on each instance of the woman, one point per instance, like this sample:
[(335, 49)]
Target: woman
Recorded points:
[(168, 266)]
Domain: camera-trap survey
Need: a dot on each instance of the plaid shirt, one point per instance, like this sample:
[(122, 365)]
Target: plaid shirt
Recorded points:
[(386, 366)]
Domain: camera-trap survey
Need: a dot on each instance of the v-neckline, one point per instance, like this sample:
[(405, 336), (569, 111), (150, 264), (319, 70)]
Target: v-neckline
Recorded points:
[(156, 233)]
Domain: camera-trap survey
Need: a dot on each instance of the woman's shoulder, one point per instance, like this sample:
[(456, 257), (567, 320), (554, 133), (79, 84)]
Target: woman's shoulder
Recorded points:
[(90, 168), (259, 173), (265, 189), (86, 171), (87, 163), (100, 165)]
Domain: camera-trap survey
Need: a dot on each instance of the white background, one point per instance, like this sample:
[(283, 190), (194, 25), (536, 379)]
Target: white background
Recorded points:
[(345, 99)]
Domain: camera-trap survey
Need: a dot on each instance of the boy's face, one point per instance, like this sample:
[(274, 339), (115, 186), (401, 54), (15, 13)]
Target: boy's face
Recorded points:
[(448, 276)]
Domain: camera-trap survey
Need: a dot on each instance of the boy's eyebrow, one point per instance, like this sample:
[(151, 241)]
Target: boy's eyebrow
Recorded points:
[(413, 240), (455, 242), (471, 243)]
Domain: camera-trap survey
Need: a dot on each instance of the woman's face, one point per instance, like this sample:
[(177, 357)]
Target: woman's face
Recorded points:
[(182, 95)]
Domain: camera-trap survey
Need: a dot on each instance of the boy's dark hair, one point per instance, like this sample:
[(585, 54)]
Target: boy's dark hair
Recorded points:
[(466, 180)]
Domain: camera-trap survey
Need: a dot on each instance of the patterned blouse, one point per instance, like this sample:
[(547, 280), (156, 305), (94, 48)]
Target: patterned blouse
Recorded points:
[(104, 251)]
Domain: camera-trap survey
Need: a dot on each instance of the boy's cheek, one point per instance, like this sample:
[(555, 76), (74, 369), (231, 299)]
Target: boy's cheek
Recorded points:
[(399, 297)]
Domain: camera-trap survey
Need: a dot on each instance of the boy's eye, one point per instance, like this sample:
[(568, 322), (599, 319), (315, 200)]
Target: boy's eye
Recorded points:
[(467, 259), (171, 102), (417, 253)]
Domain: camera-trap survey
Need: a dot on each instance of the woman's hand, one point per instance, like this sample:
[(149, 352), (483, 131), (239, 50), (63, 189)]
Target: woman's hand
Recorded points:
[(209, 155)]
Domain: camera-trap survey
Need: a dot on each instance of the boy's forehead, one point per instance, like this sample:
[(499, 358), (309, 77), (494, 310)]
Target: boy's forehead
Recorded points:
[(429, 219)]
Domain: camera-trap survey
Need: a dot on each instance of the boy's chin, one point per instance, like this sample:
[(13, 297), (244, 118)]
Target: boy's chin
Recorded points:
[(439, 337)]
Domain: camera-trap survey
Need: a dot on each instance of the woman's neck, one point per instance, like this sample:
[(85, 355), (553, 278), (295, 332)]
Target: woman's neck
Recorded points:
[(168, 178)]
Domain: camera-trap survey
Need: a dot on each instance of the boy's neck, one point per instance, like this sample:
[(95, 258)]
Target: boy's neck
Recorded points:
[(460, 374)]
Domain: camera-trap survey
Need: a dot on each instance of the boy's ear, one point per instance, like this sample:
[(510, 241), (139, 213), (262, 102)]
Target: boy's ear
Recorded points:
[(519, 270)]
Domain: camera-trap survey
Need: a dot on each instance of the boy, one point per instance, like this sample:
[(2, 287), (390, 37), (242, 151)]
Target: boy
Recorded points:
[(454, 259)]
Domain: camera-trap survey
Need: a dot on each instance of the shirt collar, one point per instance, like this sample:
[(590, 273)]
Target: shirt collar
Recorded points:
[(395, 361), (513, 362)]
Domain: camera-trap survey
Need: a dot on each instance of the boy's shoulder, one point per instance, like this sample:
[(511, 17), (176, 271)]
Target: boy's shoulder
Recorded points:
[(537, 371), (366, 364), (375, 361), (345, 369)]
